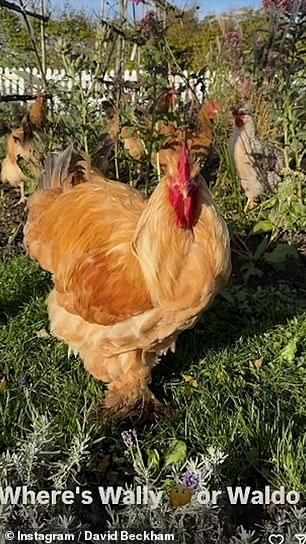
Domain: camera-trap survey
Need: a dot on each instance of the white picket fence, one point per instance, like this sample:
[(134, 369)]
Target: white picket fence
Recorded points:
[(19, 81), (29, 80)]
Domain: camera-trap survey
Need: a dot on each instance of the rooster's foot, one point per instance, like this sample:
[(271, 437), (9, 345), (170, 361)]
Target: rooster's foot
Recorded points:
[(23, 198), (22, 201), (116, 408), (250, 205)]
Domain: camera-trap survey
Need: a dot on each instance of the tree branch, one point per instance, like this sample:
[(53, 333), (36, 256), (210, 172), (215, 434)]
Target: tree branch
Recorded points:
[(18, 9), (21, 97)]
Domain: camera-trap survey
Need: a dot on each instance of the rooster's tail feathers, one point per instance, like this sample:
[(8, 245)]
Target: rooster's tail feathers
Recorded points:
[(63, 170)]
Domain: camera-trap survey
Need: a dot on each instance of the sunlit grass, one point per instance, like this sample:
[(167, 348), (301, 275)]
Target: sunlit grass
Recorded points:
[(247, 355)]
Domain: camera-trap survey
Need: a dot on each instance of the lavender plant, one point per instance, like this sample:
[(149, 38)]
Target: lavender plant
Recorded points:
[(169, 478), (39, 464)]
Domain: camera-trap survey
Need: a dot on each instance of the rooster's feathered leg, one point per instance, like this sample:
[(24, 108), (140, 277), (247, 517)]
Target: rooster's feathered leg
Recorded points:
[(127, 376)]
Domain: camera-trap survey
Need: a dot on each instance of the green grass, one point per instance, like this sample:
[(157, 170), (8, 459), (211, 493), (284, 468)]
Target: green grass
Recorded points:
[(59, 386), (256, 415)]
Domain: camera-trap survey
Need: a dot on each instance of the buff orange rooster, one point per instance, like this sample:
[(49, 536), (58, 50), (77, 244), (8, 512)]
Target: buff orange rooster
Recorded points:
[(129, 274)]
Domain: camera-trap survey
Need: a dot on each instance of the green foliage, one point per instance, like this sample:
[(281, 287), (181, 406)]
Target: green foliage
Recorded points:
[(17, 50), (247, 353), (286, 209), (73, 27), (187, 39), (15, 41), (176, 453), (199, 43)]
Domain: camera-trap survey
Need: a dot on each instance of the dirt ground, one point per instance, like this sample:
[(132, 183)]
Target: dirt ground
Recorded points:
[(12, 218)]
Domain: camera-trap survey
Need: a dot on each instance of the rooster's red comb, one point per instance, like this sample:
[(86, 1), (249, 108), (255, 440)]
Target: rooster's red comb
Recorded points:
[(212, 109)]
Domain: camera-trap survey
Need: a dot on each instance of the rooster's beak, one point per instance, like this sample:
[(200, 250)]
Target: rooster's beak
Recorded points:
[(185, 192)]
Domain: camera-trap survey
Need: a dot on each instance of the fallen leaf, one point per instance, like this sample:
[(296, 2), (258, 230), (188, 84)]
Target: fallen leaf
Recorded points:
[(258, 363), (191, 380), (42, 333), (3, 384)]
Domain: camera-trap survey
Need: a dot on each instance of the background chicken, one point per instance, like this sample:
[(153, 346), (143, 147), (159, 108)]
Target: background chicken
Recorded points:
[(132, 137), (258, 164), (20, 143), (198, 132), (129, 274), (38, 112)]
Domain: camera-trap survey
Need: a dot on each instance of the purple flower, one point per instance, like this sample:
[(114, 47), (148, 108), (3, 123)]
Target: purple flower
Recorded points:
[(24, 382), (129, 438), (149, 23), (137, 2), (191, 481), (285, 6), (233, 40)]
